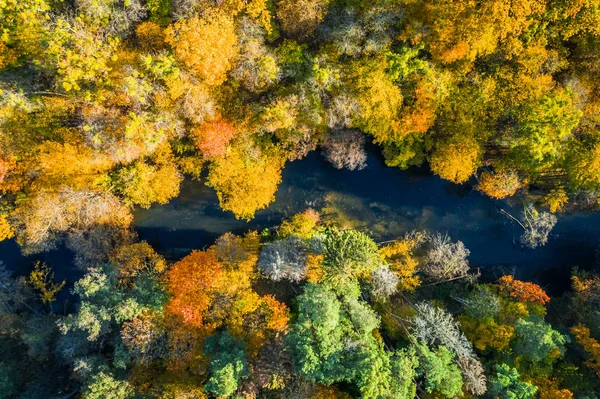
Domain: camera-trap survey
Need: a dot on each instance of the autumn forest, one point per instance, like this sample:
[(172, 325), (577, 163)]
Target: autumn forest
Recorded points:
[(108, 106)]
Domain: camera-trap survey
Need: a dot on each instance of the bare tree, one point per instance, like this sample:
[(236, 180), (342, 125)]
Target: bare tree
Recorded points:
[(345, 149), (342, 108), (445, 259), (436, 326), (384, 283), (284, 259), (538, 226), (49, 214), (473, 376)]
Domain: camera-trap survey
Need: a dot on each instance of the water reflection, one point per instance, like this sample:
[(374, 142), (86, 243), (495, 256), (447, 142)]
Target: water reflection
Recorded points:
[(386, 202)]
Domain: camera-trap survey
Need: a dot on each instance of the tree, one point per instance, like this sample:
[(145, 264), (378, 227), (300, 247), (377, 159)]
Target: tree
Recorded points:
[(192, 282), (133, 259), (302, 225), (400, 257), (284, 259), (456, 159), (440, 372), (445, 259), (436, 326), (500, 184), (207, 46), (213, 138), (144, 337), (42, 280), (537, 227), (506, 384), (299, 19), (245, 183), (43, 217), (348, 254), (256, 66), (590, 345), (227, 365), (544, 128), (345, 149), (104, 385), (536, 341), (142, 183), (384, 283), (523, 291)]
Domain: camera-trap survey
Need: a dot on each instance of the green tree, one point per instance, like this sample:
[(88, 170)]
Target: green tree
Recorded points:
[(227, 365), (506, 384), (439, 371), (105, 386)]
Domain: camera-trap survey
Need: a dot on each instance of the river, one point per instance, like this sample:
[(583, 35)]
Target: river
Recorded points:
[(386, 202)]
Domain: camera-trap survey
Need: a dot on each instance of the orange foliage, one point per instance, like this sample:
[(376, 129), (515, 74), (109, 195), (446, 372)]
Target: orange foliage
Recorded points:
[(588, 289), (523, 291), (590, 345), (212, 137), (191, 283), (150, 35), (279, 314), (548, 389), (314, 268)]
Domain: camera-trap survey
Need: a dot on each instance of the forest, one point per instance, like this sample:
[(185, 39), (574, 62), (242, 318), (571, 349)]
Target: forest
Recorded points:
[(107, 106)]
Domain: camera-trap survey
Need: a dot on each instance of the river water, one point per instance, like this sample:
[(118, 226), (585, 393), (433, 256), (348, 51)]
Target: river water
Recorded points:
[(385, 202)]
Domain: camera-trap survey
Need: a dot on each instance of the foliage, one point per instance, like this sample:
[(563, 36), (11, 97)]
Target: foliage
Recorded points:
[(506, 384), (244, 183), (207, 46), (42, 280), (227, 365), (523, 291)]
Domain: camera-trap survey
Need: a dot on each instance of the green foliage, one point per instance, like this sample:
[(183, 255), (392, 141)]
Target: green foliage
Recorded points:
[(507, 385), (439, 371), (227, 365), (348, 254), (105, 386), (537, 341)]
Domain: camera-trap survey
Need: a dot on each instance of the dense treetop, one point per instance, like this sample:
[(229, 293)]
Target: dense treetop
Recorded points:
[(107, 104)]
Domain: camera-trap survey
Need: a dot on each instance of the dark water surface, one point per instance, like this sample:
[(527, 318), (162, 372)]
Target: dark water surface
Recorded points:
[(386, 202)]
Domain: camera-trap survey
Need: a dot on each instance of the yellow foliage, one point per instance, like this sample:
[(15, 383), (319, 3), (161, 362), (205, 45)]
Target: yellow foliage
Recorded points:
[(42, 280), (207, 46), (380, 101), (150, 35), (548, 388), (301, 225), (300, 17), (556, 199), (486, 334), (143, 184), (456, 159), (73, 162), (400, 257), (6, 230), (499, 184), (245, 182)]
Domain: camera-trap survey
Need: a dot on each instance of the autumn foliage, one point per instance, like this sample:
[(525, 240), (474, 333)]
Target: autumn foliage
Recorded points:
[(523, 291)]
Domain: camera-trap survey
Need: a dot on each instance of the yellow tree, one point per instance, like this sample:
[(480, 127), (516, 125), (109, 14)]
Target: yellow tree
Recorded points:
[(456, 159), (207, 46), (245, 182)]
